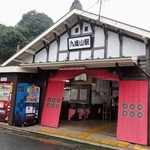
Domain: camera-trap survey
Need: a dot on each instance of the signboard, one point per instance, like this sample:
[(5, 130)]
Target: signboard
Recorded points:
[(79, 43)]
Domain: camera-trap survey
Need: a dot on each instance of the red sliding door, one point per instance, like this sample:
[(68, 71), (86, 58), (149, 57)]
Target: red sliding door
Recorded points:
[(52, 104), (133, 112)]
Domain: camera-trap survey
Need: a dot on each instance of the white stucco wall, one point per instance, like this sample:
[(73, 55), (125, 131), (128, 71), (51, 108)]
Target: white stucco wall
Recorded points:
[(53, 52), (41, 56), (133, 48), (89, 28), (74, 55), (73, 30), (99, 38), (86, 54), (98, 53), (113, 45), (28, 59), (63, 42), (130, 46), (62, 56)]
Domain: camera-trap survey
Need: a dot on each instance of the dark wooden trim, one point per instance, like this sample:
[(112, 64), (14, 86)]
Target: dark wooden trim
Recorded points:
[(34, 58), (121, 42), (115, 31), (106, 41), (98, 48), (79, 55), (14, 80), (92, 26), (80, 21), (142, 71), (58, 45), (92, 39), (118, 71), (47, 49), (68, 30)]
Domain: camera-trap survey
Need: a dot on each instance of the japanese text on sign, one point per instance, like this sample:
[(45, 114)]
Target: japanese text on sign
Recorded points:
[(79, 43)]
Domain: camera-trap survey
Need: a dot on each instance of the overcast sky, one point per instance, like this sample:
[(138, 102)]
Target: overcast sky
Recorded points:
[(133, 12)]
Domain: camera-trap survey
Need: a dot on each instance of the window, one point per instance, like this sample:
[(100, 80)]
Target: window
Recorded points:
[(86, 28), (76, 30)]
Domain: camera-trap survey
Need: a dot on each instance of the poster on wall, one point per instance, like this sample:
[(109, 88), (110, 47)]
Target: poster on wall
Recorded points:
[(66, 95), (74, 94), (83, 94)]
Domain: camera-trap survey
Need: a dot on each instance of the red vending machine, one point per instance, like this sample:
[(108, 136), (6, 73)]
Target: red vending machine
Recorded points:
[(5, 98)]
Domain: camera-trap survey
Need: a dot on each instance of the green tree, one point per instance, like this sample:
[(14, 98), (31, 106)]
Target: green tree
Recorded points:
[(9, 39), (29, 27), (33, 24)]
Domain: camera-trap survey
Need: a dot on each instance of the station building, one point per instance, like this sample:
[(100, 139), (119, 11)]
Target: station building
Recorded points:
[(87, 68)]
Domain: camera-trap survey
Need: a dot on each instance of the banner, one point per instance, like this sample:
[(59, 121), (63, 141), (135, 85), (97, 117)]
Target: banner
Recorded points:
[(53, 102), (133, 112), (102, 74)]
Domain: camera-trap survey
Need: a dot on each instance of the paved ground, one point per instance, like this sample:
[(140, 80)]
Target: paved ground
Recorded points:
[(22, 140), (94, 133)]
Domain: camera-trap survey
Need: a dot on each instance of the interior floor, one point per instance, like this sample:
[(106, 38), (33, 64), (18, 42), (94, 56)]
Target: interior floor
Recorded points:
[(99, 127)]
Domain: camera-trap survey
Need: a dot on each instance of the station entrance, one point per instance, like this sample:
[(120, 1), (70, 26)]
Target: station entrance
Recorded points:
[(98, 101)]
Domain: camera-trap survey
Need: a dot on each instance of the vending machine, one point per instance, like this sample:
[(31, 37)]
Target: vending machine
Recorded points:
[(5, 99), (27, 104)]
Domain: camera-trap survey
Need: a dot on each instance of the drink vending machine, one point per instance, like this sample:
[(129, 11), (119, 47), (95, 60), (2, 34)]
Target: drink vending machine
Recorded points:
[(5, 99), (27, 104)]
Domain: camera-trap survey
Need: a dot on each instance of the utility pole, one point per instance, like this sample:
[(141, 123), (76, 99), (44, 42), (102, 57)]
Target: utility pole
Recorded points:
[(100, 7)]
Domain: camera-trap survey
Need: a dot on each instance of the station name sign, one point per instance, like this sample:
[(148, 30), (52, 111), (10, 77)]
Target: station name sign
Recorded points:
[(77, 43)]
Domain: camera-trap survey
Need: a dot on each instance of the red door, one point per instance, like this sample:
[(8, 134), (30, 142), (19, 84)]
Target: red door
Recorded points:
[(52, 104), (133, 112)]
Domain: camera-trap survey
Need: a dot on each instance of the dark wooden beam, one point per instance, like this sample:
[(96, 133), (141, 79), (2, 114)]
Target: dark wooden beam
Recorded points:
[(92, 27), (121, 42), (47, 49), (106, 40), (80, 23), (138, 67), (68, 30), (58, 44), (118, 71)]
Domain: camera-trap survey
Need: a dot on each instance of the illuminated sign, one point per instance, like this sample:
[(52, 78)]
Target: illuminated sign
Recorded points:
[(79, 43)]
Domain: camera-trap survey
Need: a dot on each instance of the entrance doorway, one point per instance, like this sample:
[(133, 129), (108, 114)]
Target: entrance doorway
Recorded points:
[(90, 104), (78, 109)]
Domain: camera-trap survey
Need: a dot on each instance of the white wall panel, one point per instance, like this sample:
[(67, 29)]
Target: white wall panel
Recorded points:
[(113, 45), (62, 56), (86, 54), (53, 52), (99, 38), (41, 56), (133, 48), (63, 42), (73, 30), (98, 53), (74, 55), (28, 59)]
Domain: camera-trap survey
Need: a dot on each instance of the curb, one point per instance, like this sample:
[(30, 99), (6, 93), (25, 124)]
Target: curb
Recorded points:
[(81, 139)]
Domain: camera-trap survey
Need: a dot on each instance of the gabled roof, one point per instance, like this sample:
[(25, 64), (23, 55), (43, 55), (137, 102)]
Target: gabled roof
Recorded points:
[(70, 19)]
